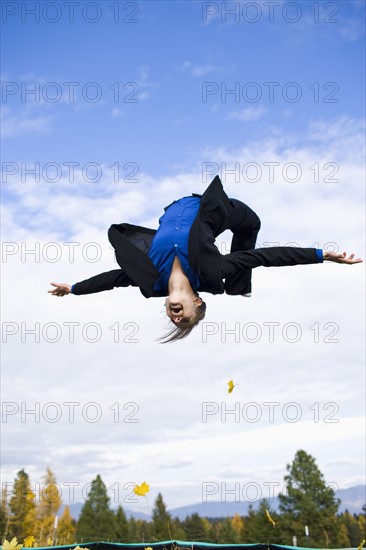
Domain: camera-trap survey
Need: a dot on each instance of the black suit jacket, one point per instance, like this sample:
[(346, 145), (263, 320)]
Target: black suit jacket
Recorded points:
[(218, 273)]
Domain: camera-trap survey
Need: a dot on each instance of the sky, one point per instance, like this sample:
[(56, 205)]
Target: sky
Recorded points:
[(111, 110)]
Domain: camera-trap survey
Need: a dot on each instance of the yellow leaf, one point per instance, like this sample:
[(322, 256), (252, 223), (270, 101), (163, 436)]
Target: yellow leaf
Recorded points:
[(142, 489), (361, 544), (12, 545), (148, 548), (231, 386), (28, 542), (270, 519)]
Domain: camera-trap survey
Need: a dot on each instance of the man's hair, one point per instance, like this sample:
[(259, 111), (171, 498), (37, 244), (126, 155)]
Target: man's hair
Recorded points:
[(185, 327)]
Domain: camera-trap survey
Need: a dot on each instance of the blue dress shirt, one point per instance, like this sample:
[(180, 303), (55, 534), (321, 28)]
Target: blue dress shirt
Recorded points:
[(171, 240)]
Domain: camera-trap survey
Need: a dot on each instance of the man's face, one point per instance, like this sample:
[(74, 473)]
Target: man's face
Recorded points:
[(182, 309)]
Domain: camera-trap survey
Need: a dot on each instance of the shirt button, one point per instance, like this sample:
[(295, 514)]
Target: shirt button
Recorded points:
[(175, 245), (177, 228)]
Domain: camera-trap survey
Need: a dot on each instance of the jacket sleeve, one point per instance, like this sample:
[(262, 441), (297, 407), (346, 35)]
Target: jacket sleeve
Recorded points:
[(276, 256), (103, 281)]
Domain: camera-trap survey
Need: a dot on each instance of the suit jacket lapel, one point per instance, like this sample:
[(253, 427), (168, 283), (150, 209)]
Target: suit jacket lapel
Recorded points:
[(131, 244), (204, 257)]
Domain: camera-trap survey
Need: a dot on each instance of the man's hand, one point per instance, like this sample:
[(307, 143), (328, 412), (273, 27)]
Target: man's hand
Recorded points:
[(341, 258), (60, 290)]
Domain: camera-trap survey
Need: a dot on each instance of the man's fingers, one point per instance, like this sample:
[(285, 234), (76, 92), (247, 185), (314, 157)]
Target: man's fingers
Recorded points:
[(356, 261), (341, 257), (59, 290)]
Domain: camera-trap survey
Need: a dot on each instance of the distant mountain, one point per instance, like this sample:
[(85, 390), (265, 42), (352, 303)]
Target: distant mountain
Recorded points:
[(352, 499), (76, 507)]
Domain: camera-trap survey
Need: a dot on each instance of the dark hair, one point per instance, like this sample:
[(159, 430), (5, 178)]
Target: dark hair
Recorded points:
[(185, 327)]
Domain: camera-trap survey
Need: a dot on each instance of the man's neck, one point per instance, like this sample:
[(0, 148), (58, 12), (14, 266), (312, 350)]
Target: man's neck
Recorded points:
[(178, 281)]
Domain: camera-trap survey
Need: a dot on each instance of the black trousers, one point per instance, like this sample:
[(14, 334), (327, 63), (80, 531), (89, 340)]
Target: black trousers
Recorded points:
[(244, 224)]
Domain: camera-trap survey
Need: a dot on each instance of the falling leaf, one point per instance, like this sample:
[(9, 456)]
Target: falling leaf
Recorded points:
[(29, 541), (142, 489), (270, 519), (12, 545), (231, 386), (361, 544)]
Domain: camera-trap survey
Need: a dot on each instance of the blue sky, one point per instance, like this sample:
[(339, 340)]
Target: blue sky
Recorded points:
[(169, 54), (166, 137)]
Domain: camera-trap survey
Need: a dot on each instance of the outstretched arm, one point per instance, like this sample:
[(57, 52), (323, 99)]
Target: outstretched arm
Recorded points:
[(236, 267), (277, 256), (98, 283)]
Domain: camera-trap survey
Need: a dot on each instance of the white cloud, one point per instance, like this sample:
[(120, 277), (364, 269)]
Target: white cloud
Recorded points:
[(249, 114), (19, 124), (145, 86), (34, 101), (117, 113), (197, 70)]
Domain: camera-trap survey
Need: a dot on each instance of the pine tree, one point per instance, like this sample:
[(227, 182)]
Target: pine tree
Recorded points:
[(4, 518), (66, 528), (207, 527), (46, 511), (4, 514), (143, 530), (177, 530), (132, 528), (351, 522), (214, 534), (258, 528), (161, 520), (238, 526), (343, 537), (122, 526), (96, 521), (194, 528), (250, 527), (228, 534), (308, 502), (362, 523), (22, 508), (50, 497)]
